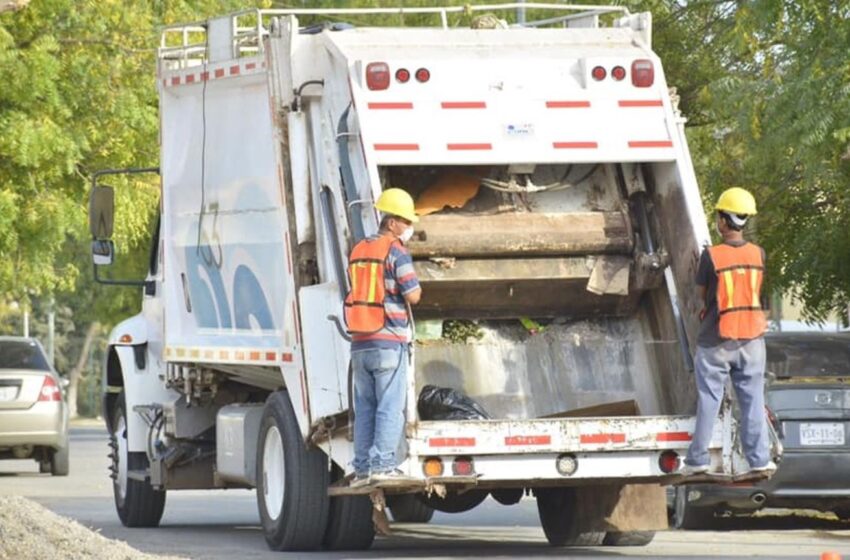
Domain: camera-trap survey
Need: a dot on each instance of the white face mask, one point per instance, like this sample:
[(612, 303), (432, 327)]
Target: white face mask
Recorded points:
[(406, 234)]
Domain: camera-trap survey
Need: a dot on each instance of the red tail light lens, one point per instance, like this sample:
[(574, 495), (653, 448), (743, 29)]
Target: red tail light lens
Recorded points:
[(377, 76), (668, 462), (598, 73), (643, 73), (423, 75), (49, 391), (402, 75), (463, 466), (618, 73)]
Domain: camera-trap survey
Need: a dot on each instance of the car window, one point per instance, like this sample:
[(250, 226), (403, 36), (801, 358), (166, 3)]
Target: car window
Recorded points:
[(809, 357), (20, 354)]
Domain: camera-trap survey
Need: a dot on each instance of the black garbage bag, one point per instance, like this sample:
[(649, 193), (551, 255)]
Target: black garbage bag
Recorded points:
[(442, 403)]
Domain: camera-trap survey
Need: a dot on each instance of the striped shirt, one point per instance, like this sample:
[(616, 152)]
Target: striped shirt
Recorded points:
[(399, 280)]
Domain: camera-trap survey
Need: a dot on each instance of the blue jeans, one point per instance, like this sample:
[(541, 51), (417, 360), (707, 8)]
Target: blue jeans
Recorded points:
[(380, 390), (744, 362)]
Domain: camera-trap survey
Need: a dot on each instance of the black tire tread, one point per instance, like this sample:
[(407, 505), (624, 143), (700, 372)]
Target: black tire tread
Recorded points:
[(558, 511), (60, 464), (628, 538), (143, 504), (304, 517), (407, 508)]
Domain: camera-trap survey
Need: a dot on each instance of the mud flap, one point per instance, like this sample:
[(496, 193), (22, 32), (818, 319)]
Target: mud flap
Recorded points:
[(630, 507)]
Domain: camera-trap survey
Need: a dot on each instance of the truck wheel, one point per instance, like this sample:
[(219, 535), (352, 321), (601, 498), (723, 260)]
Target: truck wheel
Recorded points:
[(138, 503), (292, 481), (407, 508), (60, 461), (455, 502), (689, 516), (628, 538), (559, 516), (350, 524)]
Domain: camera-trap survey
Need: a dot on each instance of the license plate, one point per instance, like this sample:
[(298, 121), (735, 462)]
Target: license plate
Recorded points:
[(822, 433), (8, 393)]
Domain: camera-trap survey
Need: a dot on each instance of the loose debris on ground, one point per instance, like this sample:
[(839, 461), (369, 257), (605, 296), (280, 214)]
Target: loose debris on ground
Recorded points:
[(28, 530)]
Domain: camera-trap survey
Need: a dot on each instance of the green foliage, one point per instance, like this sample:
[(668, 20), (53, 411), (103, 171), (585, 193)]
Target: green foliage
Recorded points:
[(765, 85)]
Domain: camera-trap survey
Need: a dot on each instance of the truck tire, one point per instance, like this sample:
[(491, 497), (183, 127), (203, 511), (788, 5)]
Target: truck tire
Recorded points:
[(454, 502), (628, 538), (350, 525), (60, 461), (137, 502), (559, 515), (292, 481), (408, 508), (688, 516)]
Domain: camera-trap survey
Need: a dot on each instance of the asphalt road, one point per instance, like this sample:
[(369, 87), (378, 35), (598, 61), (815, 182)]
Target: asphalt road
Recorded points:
[(224, 524)]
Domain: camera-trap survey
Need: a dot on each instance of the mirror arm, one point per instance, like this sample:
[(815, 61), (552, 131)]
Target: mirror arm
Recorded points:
[(110, 282)]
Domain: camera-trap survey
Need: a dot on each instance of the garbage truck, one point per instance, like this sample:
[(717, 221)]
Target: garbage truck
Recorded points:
[(560, 227)]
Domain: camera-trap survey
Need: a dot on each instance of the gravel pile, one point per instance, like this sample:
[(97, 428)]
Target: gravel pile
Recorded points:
[(28, 530)]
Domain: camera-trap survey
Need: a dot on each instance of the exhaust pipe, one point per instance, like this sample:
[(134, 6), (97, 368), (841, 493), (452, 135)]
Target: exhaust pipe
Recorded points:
[(758, 498)]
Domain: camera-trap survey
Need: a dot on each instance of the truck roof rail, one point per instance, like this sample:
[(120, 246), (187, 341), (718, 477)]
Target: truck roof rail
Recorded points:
[(186, 44)]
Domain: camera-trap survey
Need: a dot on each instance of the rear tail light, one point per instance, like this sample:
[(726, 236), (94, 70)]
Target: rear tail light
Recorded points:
[(462, 466), (668, 462), (643, 73), (598, 73), (618, 73), (402, 75), (377, 76), (433, 466), (49, 391), (423, 75)]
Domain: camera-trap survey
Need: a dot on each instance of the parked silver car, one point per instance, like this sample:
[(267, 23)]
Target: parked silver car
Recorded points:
[(33, 412), (808, 396)]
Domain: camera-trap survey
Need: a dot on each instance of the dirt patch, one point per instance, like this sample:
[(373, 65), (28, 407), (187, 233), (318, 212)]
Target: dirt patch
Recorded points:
[(28, 530)]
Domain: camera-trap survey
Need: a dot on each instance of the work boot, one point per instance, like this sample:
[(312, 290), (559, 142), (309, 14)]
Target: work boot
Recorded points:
[(360, 480), (692, 470), (767, 469)]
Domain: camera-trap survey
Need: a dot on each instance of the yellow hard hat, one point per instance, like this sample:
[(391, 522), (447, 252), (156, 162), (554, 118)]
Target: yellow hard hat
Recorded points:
[(737, 201), (397, 202)]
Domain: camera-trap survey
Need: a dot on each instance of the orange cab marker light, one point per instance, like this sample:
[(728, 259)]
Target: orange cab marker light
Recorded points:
[(125, 339)]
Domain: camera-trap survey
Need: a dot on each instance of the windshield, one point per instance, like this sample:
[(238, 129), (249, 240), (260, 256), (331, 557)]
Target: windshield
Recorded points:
[(21, 354), (808, 356)]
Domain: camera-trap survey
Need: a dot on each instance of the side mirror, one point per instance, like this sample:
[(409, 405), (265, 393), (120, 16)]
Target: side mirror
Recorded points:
[(101, 212), (102, 252)]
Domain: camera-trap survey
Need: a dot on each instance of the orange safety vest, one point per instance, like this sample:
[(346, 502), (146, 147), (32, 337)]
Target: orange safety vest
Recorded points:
[(364, 304), (740, 272)]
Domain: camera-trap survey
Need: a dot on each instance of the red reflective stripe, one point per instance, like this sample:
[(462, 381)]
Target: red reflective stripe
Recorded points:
[(286, 357), (673, 436), (391, 105), (250, 66), (190, 79), (567, 104), (219, 72), (234, 70), (271, 356), (175, 81), (463, 105), (650, 144), (451, 442), (640, 103), (482, 146), (396, 147), (254, 356), (205, 76), (603, 438), (574, 145), (528, 440)]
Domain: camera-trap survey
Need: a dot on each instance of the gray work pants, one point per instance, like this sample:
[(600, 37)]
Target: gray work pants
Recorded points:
[(744, 362)]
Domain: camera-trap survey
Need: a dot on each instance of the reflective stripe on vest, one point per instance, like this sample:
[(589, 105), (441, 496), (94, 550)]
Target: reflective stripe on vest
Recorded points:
[(740, 271), (364, 304)]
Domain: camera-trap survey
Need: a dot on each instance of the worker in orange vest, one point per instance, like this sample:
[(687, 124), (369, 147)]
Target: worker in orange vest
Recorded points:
[(730, 341), (383, 285)]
